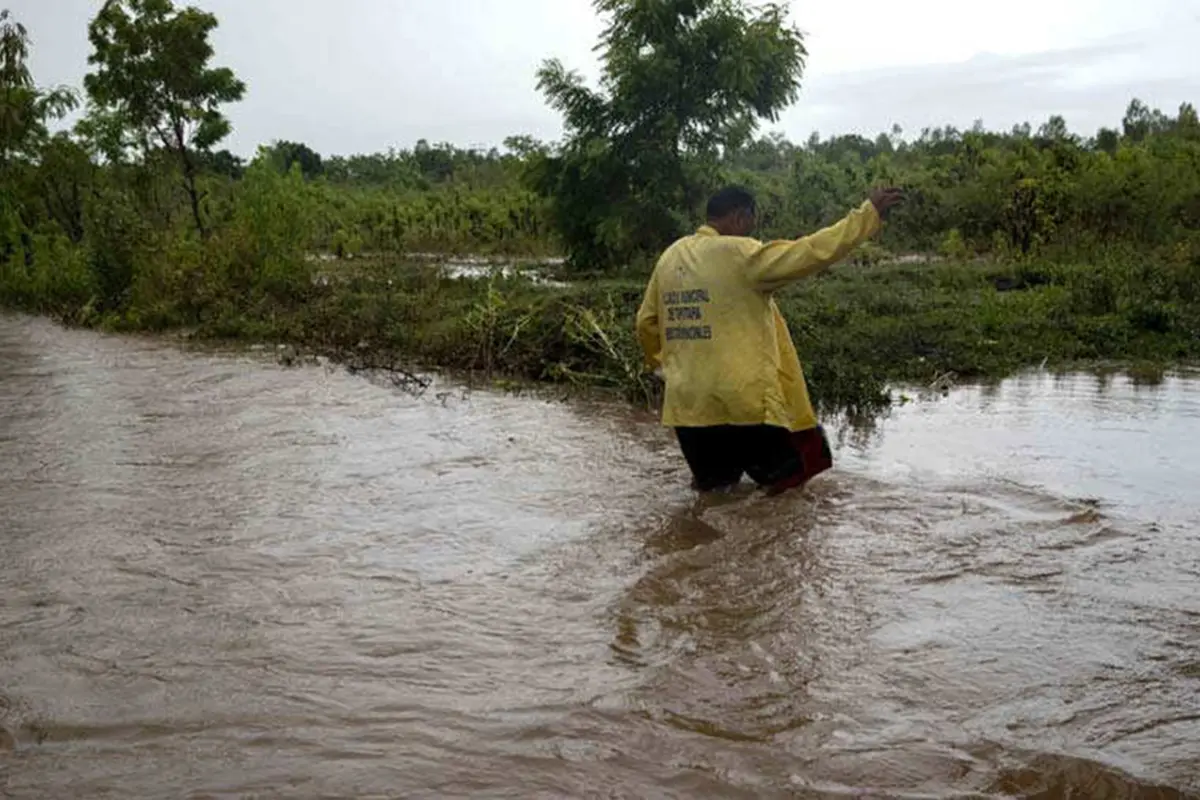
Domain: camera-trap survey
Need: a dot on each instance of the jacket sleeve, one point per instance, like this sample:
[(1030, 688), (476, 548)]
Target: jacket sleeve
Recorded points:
[(648, 331), (777, 264)]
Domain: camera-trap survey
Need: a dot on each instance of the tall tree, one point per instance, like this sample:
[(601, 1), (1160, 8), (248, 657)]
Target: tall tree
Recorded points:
[(25, 110), (285, 154), (25, 114), (154, 80), (682, 80)]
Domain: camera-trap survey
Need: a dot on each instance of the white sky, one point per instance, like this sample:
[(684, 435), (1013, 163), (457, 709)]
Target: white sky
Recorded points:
[(347, 76)]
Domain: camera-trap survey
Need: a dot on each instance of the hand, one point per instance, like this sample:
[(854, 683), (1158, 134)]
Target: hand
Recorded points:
[(885, 198)]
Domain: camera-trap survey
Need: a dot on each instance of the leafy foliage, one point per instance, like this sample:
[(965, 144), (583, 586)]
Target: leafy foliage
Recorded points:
[(1019, 194), (284, 154), (682, 80), (25, 109), (153, 87)]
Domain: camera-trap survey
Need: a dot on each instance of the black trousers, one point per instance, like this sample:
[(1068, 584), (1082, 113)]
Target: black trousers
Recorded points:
[(774, 457)]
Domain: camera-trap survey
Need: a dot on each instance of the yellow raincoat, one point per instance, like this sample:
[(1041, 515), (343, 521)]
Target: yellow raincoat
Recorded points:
[(709, 321)]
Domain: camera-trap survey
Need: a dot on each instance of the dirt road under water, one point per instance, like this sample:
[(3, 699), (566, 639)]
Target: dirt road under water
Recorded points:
[(220, 577)]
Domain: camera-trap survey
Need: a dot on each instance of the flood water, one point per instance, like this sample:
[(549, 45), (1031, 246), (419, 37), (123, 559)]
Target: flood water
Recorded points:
[(221, 578)]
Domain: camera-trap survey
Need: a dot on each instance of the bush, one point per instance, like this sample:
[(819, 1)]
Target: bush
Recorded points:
[(953, 246)]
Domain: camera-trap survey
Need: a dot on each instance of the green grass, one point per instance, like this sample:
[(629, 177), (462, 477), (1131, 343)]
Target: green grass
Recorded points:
[(858, 329)]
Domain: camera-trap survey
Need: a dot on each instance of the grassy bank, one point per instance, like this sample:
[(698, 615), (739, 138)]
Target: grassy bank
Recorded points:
[(858, 328)]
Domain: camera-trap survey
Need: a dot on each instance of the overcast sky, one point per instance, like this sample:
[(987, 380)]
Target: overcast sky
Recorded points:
[(350, 76)]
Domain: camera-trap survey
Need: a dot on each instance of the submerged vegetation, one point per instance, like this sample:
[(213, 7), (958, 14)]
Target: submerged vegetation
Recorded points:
[(1016, 248)]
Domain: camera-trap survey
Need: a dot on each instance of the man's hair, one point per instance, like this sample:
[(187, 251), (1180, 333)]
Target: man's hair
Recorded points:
[(729, 200)]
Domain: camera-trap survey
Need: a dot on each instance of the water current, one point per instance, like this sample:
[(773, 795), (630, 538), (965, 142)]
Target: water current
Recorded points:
[(221, 577)]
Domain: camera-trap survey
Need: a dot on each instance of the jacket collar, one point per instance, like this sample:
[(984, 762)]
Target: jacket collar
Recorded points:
[(707, 230)]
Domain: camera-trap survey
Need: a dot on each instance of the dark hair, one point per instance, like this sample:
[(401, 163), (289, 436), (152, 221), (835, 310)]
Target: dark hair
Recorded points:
[(729, 200)]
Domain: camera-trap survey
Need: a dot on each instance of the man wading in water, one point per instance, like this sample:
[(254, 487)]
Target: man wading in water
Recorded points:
[(735, 392)]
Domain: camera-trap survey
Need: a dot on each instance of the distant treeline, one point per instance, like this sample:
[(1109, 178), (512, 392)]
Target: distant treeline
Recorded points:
[(138, 207)]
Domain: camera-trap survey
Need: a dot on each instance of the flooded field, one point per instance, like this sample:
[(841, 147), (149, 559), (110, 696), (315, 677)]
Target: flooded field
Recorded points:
[(221, 577)]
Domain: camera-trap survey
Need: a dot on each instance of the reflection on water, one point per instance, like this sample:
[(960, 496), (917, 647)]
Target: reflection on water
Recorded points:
[(1130, 447), (222, 577)]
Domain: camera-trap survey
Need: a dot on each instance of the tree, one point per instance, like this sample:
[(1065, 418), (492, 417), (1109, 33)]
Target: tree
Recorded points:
[(1141, 121), (1187, 124), (25, 110), (64, 176), (153, 80), (284, 154), (682, 81), (1055, 130), (1108, 140), (436, 163), (225, 163), (25, 113), (524, 146)]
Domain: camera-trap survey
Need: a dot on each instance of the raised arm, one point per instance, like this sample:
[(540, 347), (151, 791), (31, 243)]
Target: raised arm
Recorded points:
[(776, 264)]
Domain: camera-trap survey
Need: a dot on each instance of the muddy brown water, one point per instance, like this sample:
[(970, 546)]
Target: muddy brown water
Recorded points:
[(224, 578)]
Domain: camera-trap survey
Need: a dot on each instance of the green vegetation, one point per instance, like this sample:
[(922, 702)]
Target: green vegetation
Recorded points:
[(153, 91), (1039, 246), (682, 81)]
